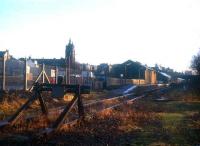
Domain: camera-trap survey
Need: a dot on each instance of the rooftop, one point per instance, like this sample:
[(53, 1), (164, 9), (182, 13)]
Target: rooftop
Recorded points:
[(2, 53)]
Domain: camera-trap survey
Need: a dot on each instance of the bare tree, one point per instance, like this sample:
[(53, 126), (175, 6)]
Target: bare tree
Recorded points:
[(196, 63)]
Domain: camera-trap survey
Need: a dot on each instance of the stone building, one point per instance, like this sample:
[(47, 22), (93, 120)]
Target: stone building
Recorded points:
[(4, 55), (150, 76), (11, 71)]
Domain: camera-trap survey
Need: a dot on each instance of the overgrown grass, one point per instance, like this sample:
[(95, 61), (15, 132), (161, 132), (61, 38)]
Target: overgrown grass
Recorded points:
[(175, 121), (180, 117), (147, 121)]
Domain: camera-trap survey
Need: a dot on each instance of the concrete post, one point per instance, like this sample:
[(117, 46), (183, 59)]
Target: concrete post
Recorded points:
[(25, 74), (66, 74), (56, 75), (139, 76), (69, 72), (4, 73), (43, 70)]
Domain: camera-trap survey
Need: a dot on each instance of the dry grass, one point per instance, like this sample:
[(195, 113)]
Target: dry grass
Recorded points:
[(146, 122), (108, 127), (8, 107)]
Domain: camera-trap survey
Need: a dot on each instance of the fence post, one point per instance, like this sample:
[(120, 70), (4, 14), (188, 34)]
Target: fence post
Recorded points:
[(25, 74), (43, 69), (3, 73), (80, 103), (68, 70), (56, 75), (66, 74)]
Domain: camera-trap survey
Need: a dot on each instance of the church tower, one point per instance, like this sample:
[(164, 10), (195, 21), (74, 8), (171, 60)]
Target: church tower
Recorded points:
[(70, 60), (70, 54)]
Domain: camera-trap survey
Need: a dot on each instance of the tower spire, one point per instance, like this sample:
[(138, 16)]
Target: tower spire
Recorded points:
[(70, 59)]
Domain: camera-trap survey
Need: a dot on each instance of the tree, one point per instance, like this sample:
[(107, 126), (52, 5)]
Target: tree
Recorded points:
[(196, 63)]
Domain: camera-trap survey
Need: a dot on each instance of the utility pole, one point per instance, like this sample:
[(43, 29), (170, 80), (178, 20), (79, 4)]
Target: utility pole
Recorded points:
[(56, 75), (139, 74), (125, 74), (69, 71), (4, 73), (25, 74), (66, 71)]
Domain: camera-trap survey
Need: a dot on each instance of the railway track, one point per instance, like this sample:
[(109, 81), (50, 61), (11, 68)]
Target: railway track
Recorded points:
[(103, 105), (92, 108), (105, 101)]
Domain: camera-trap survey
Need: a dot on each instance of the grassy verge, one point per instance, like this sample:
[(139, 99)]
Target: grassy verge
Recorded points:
[(179, 119)]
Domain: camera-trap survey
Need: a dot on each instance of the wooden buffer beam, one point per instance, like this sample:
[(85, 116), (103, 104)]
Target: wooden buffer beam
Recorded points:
[(58, 91)]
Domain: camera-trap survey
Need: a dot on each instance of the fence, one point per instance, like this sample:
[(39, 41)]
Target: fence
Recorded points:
[(11, 74), (117, 81), (21, 75)]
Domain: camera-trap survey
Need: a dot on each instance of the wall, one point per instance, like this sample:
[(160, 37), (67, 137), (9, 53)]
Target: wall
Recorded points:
[(150, 76), (118, 81)]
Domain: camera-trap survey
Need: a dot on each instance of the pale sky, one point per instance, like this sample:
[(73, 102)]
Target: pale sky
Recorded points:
[(166, 32)]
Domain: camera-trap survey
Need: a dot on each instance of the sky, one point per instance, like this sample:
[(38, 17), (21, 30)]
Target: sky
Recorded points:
[(166, 32)]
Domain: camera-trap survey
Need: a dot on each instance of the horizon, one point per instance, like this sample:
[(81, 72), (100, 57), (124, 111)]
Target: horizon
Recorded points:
[(166, 33)]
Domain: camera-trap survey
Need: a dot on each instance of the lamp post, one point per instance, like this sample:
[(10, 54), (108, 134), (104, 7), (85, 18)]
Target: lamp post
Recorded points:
[(125, 68), (121, 75), (139, 74)]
